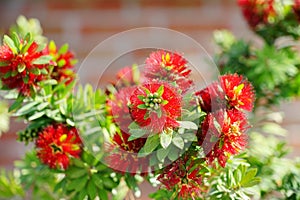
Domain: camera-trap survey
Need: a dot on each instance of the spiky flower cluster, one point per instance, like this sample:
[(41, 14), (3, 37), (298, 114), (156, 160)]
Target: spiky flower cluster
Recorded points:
[(183, 177), (169, 66), (223, 131), (63, 62), (258, 12), (155, 106), (123, 155), (24, 64), (56, 144)]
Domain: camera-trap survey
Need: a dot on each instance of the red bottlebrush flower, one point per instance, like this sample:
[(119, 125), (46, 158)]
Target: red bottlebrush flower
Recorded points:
[(171, 67), (223, 134), (183, 177), (239, 92), (233, 91), (118, 108), (22, 70), (211, 98), (63, 63), (155, 106), (257, 11), (123, 155), (56, 144)]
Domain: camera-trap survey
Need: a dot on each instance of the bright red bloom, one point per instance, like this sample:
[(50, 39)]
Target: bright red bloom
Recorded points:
[(232, 91), (223, 134), (239, 92), (118, 108), (183, 178), (63, 63), (257, 11), (155, 106), (123, 155), (211, 98), (171, 67), (19, 70), (56, 144)]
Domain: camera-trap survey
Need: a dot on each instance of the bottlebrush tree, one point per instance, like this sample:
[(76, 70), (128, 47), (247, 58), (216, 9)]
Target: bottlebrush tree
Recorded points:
[(150, 124)]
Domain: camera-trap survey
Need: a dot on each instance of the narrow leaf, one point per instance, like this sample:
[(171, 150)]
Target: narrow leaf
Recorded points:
[(42, 60), (165, 139), (9, 42), (160, 90), (178, 141), (188, 125)]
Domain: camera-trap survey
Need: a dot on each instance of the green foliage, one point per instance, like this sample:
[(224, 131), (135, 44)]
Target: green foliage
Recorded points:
[(290, 184), (162, 194), (37, 179), (234, 183), (10, 187), (274, 73), (4, 117), (88, 178)]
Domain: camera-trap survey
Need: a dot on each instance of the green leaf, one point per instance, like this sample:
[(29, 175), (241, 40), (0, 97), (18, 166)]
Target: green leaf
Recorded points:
[(42, 106), (27, 108), (60, 185), (16, 104), (97, 181), (142, 106), (160, 90), (36, 115), (136, 133), (189, 137), (178, 141), (248, 176), (82, 195), (166, 138), (29, 42), (131, 181), (52, 46), (61, 63), (9, 42), (103, 195), (151, 143), (108, 182), (77, 184), (42, 60), (91, 190), (21, 67), (70, 122), (162, 153), (63, 49), (188, 125), (16, 39), (134, 125), (25, 79), (253, 182), (174, 153), (35, 71), (75, 172), (141, 97)]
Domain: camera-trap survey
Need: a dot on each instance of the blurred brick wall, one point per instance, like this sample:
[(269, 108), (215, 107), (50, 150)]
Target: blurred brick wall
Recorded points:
[(84, 24)]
